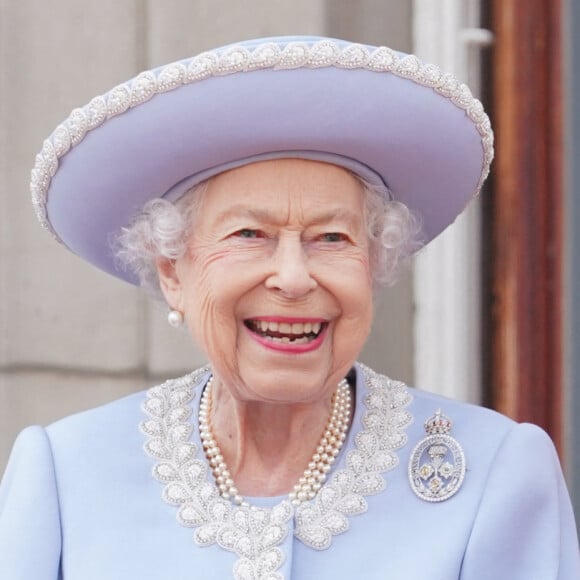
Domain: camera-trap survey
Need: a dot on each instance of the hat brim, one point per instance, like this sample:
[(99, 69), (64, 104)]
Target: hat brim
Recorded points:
[(429, 142)]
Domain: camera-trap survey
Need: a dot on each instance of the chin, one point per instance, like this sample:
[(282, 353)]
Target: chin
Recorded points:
[(290, 385)]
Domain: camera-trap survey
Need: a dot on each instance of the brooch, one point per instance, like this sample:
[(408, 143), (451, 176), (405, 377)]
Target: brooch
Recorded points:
[(437, 464)]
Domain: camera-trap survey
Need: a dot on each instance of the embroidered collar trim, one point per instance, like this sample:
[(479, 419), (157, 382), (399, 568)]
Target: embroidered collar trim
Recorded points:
[(254, 534)]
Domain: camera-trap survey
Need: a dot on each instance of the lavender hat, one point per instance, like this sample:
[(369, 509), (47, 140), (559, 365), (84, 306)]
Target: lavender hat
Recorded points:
[(385, 115)]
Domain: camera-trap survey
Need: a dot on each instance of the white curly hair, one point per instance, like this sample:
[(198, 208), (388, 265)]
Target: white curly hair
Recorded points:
[(161, 230)]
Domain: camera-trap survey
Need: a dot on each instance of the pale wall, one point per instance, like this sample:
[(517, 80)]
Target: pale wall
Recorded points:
[(70, 336)]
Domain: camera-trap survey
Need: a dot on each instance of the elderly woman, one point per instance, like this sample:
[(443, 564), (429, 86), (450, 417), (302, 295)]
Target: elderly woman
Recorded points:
[(265, 190)]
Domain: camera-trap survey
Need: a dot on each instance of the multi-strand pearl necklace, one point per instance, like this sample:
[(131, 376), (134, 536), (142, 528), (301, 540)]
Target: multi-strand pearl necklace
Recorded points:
[(314, 475)]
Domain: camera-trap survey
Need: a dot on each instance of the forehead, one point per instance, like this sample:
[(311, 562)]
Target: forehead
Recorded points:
[(296, 183)]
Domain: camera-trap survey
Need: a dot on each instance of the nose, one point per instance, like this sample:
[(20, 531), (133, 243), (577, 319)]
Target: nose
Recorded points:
[(290, 273)]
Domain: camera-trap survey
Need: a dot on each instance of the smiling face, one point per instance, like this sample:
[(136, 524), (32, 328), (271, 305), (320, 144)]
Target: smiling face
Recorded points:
[(275, 285)]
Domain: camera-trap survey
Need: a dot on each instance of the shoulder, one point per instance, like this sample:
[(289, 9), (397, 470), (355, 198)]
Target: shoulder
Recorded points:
[(488, 439), (469, 421), (96, 440), (426, 403), (478, 427), (110, 437), (109, 419), (36, 444)]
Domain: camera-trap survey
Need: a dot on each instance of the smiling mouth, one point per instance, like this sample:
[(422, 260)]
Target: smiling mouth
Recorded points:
[(286, 332)]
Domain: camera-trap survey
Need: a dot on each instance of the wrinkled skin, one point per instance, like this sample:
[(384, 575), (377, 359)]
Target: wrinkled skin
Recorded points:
[(275, 239)]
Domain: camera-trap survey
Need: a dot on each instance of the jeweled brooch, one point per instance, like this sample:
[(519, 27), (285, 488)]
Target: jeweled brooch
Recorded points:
[(437, 464)]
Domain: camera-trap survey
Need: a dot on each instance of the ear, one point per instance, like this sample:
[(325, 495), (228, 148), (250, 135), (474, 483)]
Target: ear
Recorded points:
[(170, 283)]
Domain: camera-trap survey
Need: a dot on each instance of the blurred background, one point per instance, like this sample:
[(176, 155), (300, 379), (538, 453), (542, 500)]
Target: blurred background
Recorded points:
[(486, 314)]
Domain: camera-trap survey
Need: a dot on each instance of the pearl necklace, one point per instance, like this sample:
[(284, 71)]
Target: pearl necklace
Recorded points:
[(320, 464)]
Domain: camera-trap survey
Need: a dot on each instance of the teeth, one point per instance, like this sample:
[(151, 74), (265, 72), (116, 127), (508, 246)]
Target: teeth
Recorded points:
[(296, 328)]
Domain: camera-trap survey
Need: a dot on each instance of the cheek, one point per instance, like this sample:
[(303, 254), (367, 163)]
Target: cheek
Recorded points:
[(353, 291), (349, 272), (352, 329), (216, 281)]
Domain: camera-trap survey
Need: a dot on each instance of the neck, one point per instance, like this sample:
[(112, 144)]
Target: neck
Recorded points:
[(267, 447)]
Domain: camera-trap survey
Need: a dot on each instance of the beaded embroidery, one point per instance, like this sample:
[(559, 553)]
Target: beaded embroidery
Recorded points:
[(324, 53), (254, 534)]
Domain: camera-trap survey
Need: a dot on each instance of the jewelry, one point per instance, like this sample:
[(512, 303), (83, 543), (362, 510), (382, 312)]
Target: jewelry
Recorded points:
[(314, 475), (441, 474), (175, 318)]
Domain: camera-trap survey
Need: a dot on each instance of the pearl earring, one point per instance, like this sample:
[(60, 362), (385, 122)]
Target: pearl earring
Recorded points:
[(175, 318)]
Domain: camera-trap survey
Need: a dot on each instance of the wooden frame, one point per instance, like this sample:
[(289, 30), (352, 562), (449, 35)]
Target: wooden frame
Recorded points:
[(525, 261)]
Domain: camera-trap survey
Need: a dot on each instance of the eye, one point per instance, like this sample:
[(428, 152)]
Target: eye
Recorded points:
[(248, 233), (333, 237)]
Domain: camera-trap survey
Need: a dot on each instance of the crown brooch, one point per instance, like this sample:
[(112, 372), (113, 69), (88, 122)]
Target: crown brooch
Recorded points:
[(437, 463)]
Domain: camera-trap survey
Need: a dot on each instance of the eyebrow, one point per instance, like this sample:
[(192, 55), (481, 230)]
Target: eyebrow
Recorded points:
[(261, 215)]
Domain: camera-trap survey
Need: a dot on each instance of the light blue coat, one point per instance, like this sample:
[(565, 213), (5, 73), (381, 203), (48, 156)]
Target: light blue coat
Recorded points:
[(78, 500)]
